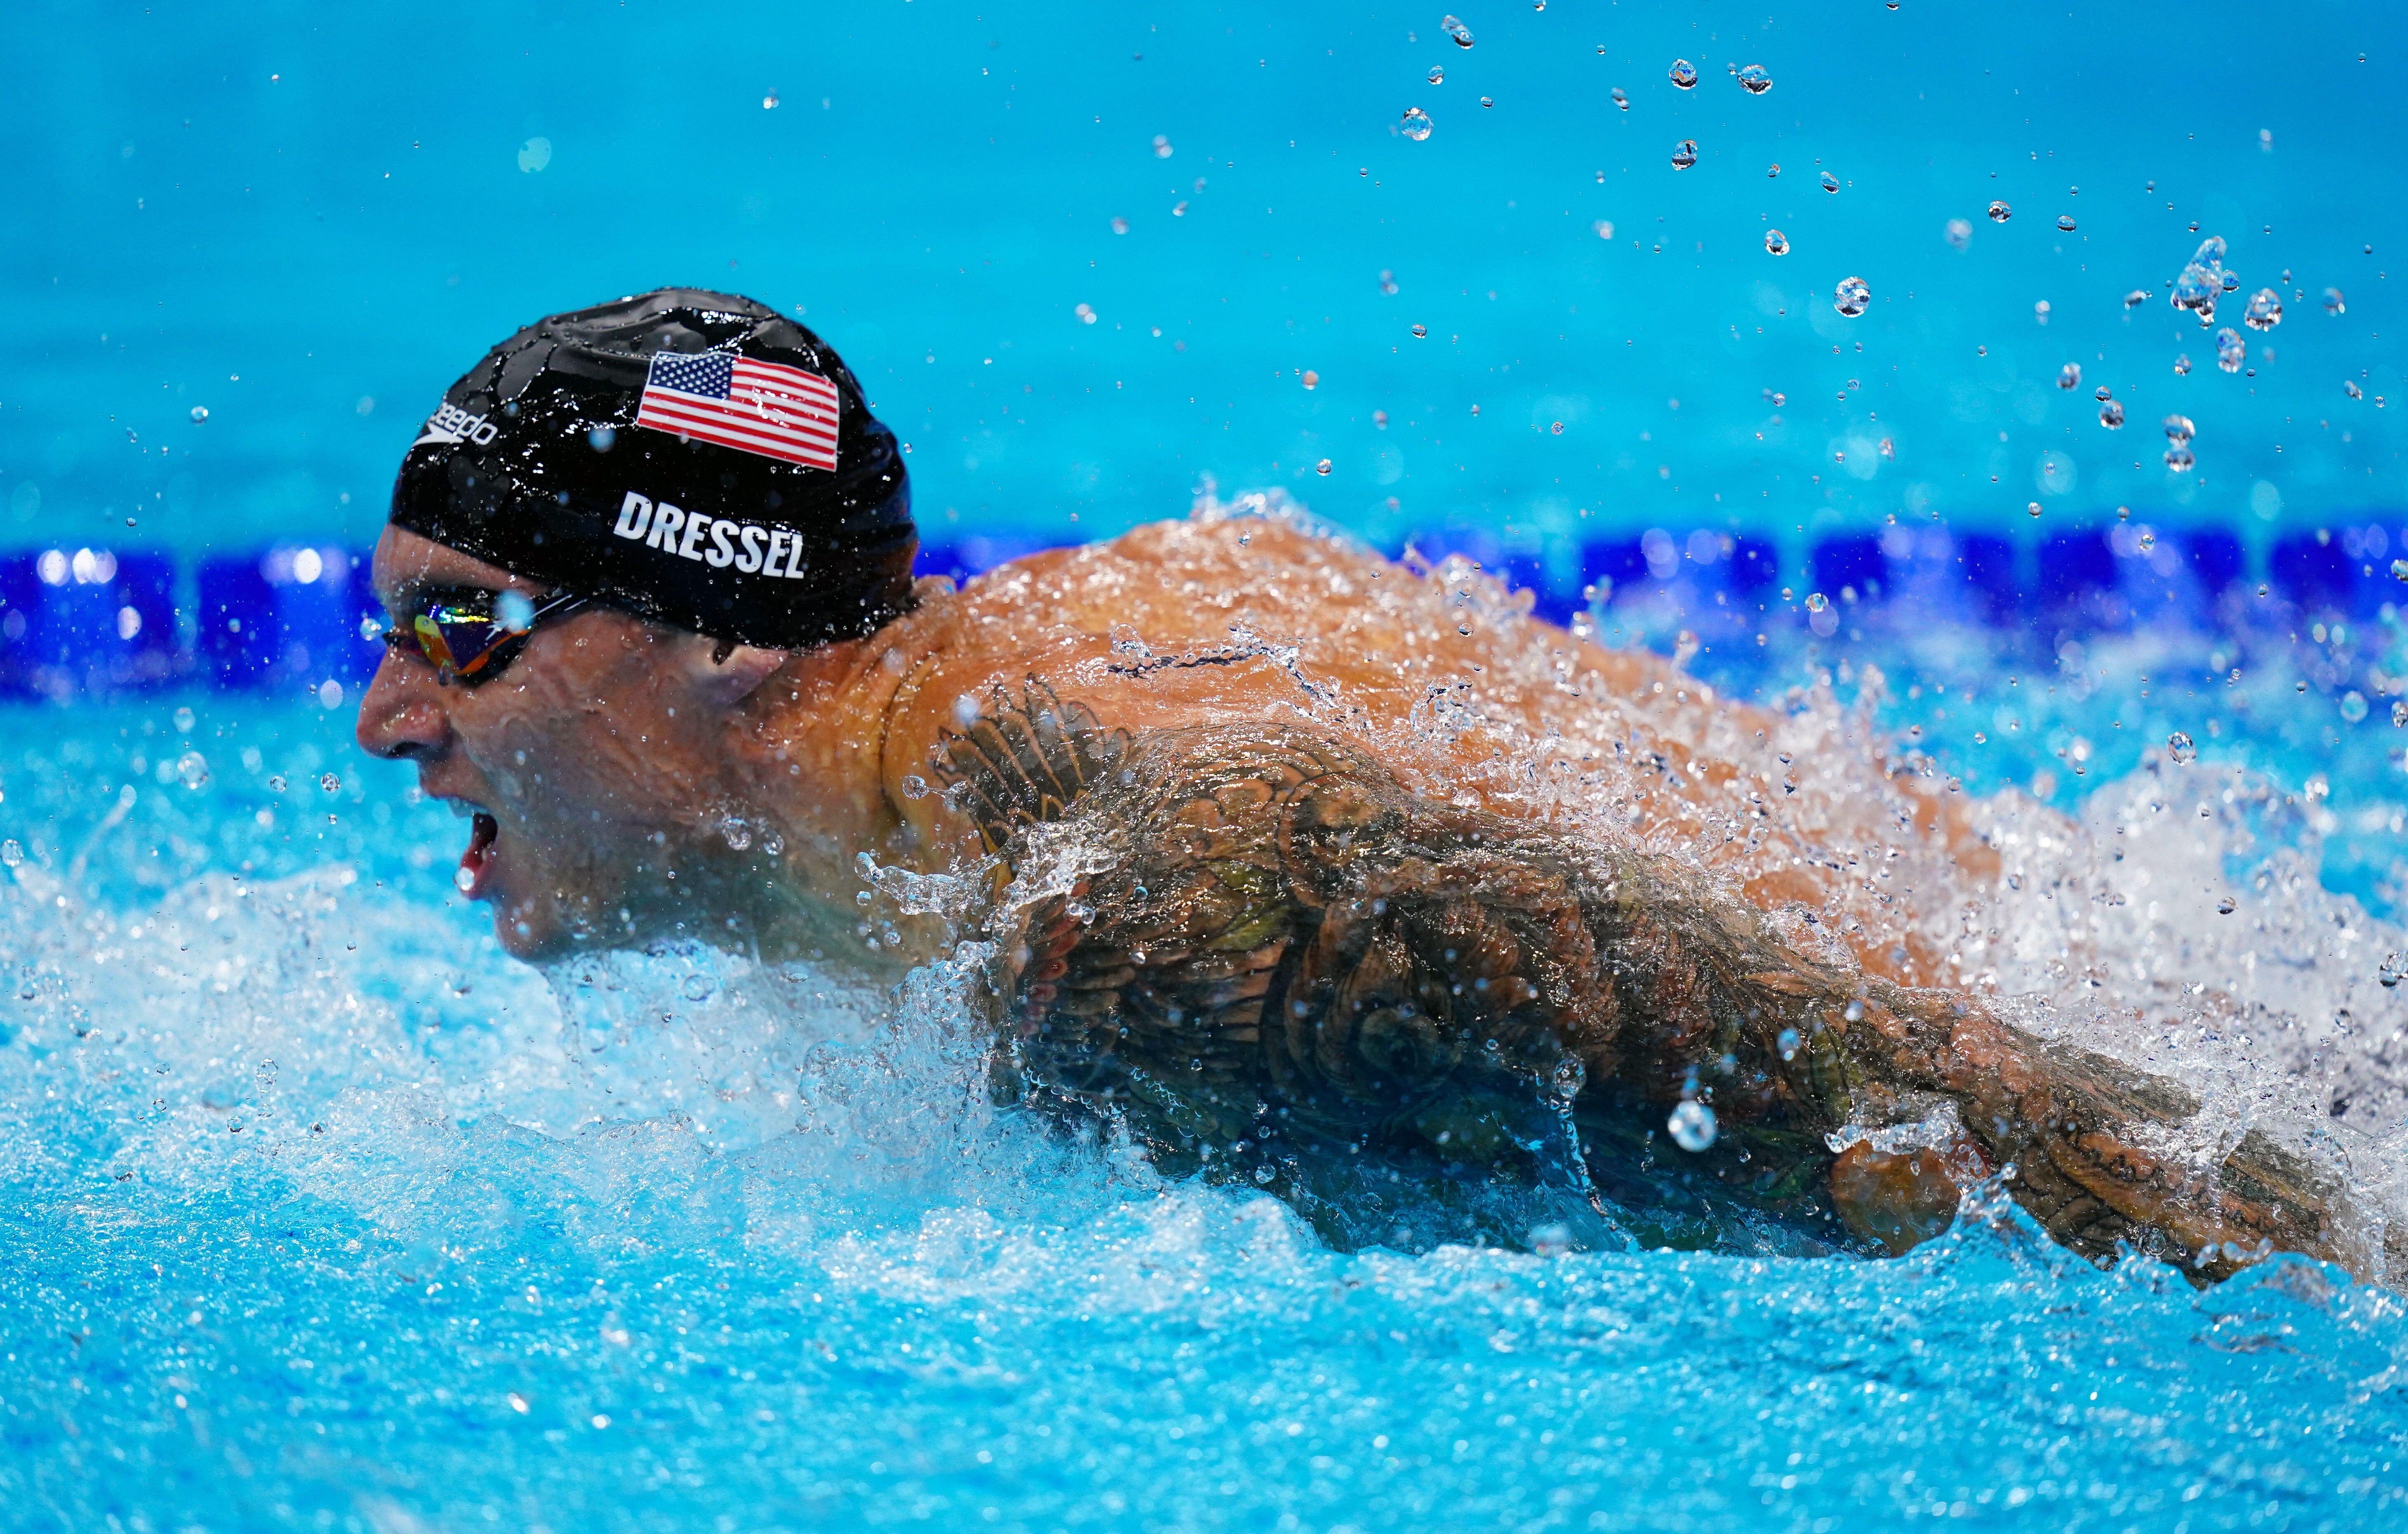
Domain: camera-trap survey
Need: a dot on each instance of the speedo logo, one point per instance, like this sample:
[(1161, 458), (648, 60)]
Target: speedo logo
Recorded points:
[(452, 424), (713, 540)]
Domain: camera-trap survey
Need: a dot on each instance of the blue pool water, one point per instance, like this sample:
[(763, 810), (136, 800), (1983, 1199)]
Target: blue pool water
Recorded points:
[(321, 1214)]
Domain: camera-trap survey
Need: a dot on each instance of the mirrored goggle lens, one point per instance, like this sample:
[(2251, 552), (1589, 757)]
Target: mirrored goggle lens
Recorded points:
[(458, 641)]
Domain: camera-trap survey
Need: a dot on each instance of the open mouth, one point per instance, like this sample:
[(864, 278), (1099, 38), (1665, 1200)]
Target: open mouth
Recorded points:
[(477, 863)]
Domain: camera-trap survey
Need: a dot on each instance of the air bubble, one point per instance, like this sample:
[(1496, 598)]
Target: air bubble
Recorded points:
[(2070, 375), (2230, 350), (2182, 748), (2226, 906), (2032, 509), (2065, 222), (1438, 74), (1852, 296), (1417, 124), (2000, 212), (2179, 428), (1775, 243), (2137, 297), (1620, 100), (1457, 30), (1162, 149), (2265, 310), (1420, 331), (2353, 707), (1692, 1126), (2111, 415), (193, 768), (2180, 460), (1831, 182), (1604, 228), (2349, 387), (1787, 1043), (1957, 233), (200, 413), (1816, 602), (2333, 302), (1684, 154), (1321, 467), (1756, 80), (1683, 74), (2182, 365)]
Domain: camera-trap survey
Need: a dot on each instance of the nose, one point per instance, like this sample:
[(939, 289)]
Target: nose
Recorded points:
[(402, 713)]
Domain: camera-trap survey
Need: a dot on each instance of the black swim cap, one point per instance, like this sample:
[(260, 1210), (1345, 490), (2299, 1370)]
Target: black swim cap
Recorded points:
[(686, 456)]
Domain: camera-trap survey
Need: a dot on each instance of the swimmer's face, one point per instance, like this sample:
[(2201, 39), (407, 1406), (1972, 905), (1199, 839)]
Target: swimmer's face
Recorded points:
[(576, 766)]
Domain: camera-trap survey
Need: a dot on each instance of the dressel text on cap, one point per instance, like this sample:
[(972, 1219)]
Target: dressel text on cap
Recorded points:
[(715, 541)]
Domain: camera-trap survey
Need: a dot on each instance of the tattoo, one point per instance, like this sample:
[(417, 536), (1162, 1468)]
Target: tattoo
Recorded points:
[(1271, 957)]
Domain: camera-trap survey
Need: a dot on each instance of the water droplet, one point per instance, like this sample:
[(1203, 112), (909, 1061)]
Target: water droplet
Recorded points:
[(193, 768), (1831, 182), (1438, 74), (464, 879), (2226, 906), (1852, 296), (1457, 30), (2179, 460), (2182, 748), (1692, 1126), (2179, 428), (1775, 243), (2349, 387), (1684, 154), (1816, 602), (915, 786), (1683, 74), (200, 413), (2070, 375), (1957, 233), (2265, 310), (1620, 100), (1420, 331), (2230, 350), (738, 831), (2352, 705), (2182, 365), (2001, 213), (2333, 304), (1756, 80), (2065, 222), (2111, 415), (1321, 467), (1417, 124)]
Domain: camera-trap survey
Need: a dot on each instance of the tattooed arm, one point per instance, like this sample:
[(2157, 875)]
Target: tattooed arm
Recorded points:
[(1258, 947)]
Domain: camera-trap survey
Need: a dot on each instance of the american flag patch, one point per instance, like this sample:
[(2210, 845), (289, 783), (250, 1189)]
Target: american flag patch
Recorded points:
[(755, 407)]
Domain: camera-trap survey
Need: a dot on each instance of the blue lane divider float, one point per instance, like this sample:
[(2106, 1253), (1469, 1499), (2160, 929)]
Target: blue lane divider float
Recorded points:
[(84, 622), (89, 623)]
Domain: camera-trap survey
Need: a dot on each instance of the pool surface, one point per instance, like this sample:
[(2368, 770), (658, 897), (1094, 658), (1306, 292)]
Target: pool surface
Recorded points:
[(321, 1214)]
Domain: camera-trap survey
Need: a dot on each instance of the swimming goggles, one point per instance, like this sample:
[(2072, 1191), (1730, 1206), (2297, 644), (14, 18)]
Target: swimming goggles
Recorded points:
[(463, 636)]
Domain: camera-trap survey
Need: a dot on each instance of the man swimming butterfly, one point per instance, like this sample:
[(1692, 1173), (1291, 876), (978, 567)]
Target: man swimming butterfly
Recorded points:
[(1293, 863)]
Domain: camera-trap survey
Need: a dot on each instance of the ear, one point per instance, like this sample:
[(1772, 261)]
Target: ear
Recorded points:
[(725, 675)]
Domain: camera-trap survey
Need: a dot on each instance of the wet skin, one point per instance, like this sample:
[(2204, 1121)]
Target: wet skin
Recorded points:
[(1327, 925)]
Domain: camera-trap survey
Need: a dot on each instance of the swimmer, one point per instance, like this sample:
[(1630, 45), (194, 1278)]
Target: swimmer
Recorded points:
[(1287, 857)]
